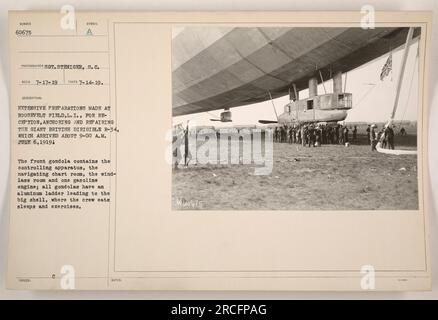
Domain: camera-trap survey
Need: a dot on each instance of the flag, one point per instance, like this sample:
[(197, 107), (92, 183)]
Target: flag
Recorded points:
[(387, 68)]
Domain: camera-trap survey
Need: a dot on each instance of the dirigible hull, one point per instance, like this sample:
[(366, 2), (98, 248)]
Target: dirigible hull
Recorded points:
[(220, 67)]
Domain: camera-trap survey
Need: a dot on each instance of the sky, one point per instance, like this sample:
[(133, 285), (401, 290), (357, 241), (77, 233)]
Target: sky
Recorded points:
[(373, 99)]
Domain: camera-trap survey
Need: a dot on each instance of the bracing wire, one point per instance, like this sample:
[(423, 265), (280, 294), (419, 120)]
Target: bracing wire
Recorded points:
[(213, 115)]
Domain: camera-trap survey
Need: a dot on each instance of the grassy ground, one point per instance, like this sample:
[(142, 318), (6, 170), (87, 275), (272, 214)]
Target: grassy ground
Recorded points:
[(331, 177)]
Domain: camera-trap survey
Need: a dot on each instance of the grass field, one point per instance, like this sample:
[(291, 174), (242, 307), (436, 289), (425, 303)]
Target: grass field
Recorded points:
[(330, 177)]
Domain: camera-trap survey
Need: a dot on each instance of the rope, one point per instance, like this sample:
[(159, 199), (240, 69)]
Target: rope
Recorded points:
[(192, 118), (345, 83)]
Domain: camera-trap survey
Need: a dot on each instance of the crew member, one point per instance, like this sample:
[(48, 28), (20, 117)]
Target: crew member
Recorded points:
[(369, 134), (354, 134), (345, 134), (373, 137), (390, 137)]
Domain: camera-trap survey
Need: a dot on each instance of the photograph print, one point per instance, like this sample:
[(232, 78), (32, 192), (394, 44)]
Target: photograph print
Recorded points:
[(295, 118)]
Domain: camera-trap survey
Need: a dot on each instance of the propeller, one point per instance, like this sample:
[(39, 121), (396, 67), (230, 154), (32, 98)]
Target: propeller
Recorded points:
[(224, 117), (220, 120)]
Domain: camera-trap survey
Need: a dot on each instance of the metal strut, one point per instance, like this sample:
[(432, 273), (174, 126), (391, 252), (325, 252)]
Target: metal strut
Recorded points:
[(273, 106)]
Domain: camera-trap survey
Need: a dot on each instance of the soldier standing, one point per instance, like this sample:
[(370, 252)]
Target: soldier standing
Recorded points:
[(390, 138), (369, 134), (310, 136), (341, 134), (318, 136), (346, 134), (373, 137), (403, 131), (299, 135), (323, 134), (384, 135), (330, 135), (304, 135), (354, 133), (291, 135), (186, 145)]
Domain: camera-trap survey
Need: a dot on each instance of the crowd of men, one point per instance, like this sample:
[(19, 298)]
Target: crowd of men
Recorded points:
[(385, 136), (315, 135), (311, 135)]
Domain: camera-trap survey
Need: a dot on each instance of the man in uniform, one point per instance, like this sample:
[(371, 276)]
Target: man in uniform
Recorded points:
[(187, 155), (390, 137), (289, 135), (311, 136), (341, 134), (304, 135), (318, 136), (354, 134), (385, 135), (298, 135), (369, 134), (345, 134), (330, 135), (403, 131), (373, 137)]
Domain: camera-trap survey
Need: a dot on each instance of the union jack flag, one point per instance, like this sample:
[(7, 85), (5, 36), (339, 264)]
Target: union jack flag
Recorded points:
[(387, 68)]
